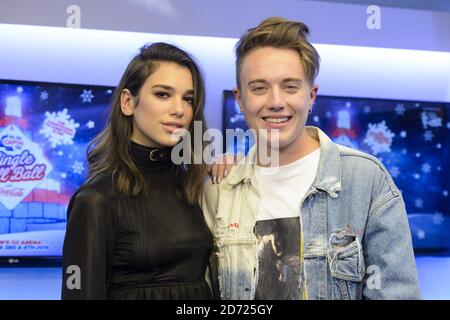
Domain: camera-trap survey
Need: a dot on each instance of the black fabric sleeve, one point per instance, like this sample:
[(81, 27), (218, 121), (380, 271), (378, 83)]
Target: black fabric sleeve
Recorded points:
[(87, 246)]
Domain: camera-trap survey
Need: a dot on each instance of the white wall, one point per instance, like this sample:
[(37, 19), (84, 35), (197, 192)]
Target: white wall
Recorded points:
[(332, 23), (99, 57)]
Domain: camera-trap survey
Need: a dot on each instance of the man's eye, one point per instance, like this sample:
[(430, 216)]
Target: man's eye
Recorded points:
[(258, 89)]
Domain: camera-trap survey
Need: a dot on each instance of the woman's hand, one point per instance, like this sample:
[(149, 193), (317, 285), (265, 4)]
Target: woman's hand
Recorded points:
[(222, 166)]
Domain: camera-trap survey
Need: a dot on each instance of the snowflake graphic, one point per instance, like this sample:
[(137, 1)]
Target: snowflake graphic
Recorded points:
[(418, 155), (439, 146), (19, 89), (418, 203), (403, 134), (404, 151), (426, 167), (395, 171), (421, 234), (348, 104), (428, 135), (400, 109), (379, 138), (366, 109), (438, 218), (316, 119), (448, 125), (59, 128), (328, 114), (109, 91), (63, 175), (417, 176), (87, 96), (90, 124), (78, 167), (44, 95), (445, 193), (60, 153)]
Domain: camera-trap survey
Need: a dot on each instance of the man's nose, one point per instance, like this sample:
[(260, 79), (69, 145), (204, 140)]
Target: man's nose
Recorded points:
[(276, 100)]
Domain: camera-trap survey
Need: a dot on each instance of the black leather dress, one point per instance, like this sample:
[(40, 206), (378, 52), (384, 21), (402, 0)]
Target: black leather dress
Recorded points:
[(143, 247)]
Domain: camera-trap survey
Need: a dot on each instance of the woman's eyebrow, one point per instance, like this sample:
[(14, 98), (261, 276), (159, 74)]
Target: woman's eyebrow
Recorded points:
[(163, 86)]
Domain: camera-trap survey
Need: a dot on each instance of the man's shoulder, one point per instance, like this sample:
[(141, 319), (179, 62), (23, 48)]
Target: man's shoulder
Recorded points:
[(353, 157), (366, 167)]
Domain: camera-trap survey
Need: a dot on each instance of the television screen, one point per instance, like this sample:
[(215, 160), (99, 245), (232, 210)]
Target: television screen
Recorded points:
[(44, 131), (233, 119), (411, 138)]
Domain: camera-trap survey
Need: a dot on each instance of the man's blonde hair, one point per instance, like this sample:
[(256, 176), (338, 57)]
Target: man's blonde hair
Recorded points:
[(279, 33)]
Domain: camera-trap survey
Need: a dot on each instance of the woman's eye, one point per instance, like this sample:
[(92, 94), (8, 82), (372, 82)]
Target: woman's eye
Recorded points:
[(162, 94), (189, 100)]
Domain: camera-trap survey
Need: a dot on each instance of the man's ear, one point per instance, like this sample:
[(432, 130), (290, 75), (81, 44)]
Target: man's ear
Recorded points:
[(126, 102), (238, 96), (313, 93)]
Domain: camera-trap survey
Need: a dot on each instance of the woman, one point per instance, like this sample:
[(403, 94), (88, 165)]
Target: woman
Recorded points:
[(135, 230)]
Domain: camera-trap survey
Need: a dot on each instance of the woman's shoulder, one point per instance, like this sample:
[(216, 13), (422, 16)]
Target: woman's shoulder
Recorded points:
[(99, 187), (93, 199)]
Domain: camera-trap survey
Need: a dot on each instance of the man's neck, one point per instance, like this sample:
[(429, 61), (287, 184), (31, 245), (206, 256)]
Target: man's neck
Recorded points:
[(301, 148)]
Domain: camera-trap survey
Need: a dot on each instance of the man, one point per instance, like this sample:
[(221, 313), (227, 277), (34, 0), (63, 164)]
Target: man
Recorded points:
[(327, 222)]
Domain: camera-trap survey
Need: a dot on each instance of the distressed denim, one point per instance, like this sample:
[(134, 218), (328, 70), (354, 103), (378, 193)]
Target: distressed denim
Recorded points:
[(355, 237)]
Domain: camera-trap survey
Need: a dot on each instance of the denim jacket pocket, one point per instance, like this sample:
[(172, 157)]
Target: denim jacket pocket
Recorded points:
[(345, 257), (346, 262)]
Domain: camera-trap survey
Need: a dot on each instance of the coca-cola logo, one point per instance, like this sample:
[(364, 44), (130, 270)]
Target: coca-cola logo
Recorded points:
[(14, 192)]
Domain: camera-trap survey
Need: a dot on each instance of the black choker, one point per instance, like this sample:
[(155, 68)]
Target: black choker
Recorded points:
[(144, 154), (160, 155)]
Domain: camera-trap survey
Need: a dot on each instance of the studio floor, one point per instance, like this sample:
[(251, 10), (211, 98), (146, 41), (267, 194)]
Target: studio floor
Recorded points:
[(45, 283)]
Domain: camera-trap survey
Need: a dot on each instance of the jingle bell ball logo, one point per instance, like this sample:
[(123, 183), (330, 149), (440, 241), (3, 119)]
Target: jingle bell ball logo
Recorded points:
[(22, 166)]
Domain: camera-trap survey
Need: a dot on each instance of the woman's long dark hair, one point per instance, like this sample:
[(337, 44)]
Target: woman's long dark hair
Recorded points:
[(109, 152)]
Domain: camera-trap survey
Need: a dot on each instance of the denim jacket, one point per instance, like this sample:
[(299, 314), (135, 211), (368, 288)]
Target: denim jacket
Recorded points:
[(355, 237)]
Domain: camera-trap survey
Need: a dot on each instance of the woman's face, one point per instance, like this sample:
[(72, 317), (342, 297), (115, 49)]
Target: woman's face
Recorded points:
[(164, 106)]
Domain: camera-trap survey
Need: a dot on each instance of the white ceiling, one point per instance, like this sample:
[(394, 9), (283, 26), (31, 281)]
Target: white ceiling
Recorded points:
[(432, 5)]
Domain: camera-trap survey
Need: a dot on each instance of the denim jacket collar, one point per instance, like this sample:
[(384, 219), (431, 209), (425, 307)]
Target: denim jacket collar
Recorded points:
[(328, 177)]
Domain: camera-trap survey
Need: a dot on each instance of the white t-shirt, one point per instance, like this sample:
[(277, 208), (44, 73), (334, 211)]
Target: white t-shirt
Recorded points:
[(278, 226), (282, 188)]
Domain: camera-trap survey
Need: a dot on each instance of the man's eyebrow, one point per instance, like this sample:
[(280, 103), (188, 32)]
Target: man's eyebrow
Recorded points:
[(256, 81), (299, 80), (292, 79)]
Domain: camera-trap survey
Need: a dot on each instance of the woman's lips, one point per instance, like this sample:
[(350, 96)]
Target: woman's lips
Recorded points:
[(172, 127)]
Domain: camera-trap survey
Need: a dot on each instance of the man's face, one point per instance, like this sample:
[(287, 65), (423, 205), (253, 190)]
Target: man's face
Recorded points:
[(275, 94)]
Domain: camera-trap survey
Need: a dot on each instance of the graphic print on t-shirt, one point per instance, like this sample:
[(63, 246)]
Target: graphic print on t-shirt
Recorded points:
[(279, 259)]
